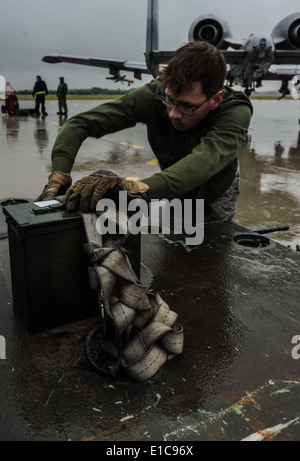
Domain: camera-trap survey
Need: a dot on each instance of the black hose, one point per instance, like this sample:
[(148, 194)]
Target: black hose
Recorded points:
[(97, 330), (100, 364), (268, 230)]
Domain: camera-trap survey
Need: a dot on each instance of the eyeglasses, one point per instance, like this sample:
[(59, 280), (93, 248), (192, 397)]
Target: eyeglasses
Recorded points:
[(183, 107)]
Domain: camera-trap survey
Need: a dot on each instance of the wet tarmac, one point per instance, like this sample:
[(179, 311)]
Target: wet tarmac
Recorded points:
[(238, 376)]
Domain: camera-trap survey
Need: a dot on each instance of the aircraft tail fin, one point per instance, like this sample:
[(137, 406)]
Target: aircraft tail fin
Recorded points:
[(152, 36)]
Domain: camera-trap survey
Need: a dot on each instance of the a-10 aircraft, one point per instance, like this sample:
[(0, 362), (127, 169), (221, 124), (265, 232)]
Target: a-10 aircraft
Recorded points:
[(117, 77), (257, 58)]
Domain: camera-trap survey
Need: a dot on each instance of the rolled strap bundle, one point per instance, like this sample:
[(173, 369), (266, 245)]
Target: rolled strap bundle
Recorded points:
[(145, 323)]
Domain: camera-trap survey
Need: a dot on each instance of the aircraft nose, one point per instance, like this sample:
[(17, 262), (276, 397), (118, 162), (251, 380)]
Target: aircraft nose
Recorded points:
[(262, 43), (262, 47)]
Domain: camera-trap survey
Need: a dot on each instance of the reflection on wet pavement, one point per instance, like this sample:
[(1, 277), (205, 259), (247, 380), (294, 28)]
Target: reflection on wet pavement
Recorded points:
[(270, 166)]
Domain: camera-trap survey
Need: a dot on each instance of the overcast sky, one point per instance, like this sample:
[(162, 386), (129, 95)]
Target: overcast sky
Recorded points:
[(111, 29)]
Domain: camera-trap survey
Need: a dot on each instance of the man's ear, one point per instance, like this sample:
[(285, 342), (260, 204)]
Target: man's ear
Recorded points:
[(216, 100)]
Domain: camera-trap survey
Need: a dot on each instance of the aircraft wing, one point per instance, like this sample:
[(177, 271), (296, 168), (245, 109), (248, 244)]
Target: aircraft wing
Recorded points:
[(280, 72), (231, 56), (287, 57), (112, 64), (234, 56)]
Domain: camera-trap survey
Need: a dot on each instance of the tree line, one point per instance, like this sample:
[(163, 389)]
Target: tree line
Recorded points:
[(94, 90)]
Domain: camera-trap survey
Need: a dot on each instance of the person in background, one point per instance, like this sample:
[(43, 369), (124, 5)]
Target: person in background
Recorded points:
[(40, 92), (195, 127), (61, 93)]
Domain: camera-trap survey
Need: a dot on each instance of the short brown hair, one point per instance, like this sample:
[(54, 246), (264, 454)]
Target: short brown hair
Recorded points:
[(195, 62)]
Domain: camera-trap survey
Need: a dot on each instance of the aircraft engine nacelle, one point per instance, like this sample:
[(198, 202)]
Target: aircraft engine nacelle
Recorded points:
[(286, 34), (213, 29)]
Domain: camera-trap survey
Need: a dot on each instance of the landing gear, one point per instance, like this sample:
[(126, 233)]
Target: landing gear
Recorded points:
[(284, 90)]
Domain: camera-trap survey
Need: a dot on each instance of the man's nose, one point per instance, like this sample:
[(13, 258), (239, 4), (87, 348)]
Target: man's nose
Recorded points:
[(174, 112)]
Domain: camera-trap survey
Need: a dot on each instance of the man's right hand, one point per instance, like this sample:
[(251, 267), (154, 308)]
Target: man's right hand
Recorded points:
[(57, 184), (87, 191)]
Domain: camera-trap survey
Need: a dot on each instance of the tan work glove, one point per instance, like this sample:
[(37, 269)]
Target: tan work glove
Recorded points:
[(57, 184), (87, 191)]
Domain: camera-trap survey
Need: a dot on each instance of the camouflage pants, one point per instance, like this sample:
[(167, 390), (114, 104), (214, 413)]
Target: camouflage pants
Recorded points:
[(223, 208)]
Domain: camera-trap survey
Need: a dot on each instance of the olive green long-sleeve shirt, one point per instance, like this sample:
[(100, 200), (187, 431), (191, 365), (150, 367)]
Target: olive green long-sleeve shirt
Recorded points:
[(200, 162)]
